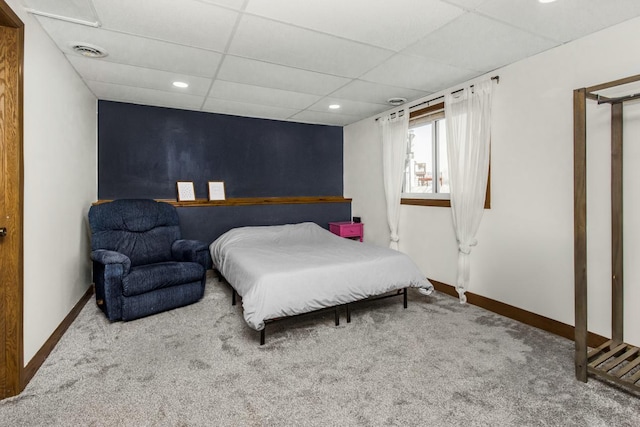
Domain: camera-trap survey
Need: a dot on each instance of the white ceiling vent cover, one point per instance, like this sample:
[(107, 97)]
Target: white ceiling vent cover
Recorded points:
[(88, 50), (396, 101)]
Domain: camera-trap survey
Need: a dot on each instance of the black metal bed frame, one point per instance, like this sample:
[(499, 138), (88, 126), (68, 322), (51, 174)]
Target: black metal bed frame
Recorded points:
[(334, 308)]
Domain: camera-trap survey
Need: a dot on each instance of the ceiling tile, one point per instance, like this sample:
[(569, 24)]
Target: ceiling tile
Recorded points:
[(373, 22), (109, 72), (562, 20), (478, 43), (260, 73), (222, 106), (468, 4), (75, 9), (144, 96), (376, 93), (347, 107), (418, 73), (188, 22), (325, 118), (134, 50), (297, 47), (233, 4), (260, 95)]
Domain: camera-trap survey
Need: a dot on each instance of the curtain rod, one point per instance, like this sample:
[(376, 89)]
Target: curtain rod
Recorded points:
[(496, 78)]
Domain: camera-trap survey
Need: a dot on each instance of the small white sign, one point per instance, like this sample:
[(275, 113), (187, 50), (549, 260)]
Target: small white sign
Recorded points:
[(216, 190), (185, 191)]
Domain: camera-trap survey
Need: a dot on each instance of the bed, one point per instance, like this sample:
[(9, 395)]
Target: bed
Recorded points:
[(287, 270)]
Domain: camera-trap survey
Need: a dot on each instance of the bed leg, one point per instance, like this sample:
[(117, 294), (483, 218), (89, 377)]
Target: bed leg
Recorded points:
[(233, 298), (262, 335), (404, 296), (348, 314), (337, 316)]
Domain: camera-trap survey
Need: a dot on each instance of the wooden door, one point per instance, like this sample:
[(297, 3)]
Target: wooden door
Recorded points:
[(11, 202)]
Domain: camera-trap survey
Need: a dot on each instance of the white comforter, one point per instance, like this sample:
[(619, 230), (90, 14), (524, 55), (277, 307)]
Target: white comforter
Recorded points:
[(285, 270)]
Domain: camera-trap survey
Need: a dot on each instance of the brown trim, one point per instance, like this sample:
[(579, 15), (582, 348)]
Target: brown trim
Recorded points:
[(426, 110), (8, 18), (12, 122), (252, 201), (518, 314), (38, 359), (443, 203)]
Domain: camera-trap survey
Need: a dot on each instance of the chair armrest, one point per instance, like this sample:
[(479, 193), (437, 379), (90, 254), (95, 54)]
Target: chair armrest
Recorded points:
[(106, 257), (192, 251), (109, 267)]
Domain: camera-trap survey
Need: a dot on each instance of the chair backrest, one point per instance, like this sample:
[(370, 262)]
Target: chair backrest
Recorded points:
[(142, 229)]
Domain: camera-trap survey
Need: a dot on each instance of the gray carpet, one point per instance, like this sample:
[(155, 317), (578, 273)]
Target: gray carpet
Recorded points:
[(437, 363)]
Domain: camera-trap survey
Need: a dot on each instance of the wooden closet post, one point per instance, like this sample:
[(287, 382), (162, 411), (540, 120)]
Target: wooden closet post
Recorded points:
[(617, 305), (580, 229)]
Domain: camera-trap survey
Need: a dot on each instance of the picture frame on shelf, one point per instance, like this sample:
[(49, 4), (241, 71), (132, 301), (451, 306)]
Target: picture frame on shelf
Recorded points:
[(216, 190), (186, 191)]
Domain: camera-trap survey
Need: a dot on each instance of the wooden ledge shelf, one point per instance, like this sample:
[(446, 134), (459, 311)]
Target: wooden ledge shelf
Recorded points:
[(247, 201)]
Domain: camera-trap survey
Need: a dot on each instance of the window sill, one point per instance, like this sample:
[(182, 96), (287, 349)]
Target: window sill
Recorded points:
[(442, 203)]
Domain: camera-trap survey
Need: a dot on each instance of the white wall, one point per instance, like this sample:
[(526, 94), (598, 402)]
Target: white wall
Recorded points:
[(60, 182), (525, 252)]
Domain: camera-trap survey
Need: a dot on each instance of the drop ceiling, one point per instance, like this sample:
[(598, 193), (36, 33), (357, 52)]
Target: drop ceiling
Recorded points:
[(291, 59)]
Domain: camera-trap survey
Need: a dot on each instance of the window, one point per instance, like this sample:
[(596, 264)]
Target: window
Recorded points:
[(427, 170), (426, 178)]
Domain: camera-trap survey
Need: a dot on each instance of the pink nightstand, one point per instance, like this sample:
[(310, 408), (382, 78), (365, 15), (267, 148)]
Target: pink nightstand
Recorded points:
[(347, 229)]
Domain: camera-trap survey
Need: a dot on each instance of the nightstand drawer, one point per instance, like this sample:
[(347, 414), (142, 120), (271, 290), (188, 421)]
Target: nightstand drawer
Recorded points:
[(350, 230), (347, 229)]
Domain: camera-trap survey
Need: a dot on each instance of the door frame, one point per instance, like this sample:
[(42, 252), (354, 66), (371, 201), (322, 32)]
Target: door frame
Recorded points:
[(11, 291)]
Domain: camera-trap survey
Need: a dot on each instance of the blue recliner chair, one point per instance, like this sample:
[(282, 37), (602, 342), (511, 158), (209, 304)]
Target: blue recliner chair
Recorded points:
[(141, 266)]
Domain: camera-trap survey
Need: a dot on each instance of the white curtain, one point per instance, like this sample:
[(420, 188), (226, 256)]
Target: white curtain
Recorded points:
[(394, 151), (468, 115)]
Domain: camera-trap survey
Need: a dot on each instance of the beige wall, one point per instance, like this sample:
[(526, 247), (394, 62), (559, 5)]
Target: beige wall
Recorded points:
[(525, 252), (60, 182)]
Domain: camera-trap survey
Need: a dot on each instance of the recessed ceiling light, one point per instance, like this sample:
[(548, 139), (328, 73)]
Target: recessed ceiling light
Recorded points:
[(546, 1), (181, 84), (334, 106)]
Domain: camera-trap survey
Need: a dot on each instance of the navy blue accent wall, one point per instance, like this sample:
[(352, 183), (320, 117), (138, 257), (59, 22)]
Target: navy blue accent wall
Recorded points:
[(143, 151), (207, 223)]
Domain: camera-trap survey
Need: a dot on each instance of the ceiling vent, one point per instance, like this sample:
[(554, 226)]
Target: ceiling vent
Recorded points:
[(88, 50), (396, 101)]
